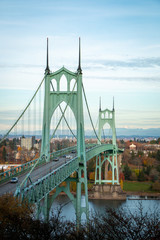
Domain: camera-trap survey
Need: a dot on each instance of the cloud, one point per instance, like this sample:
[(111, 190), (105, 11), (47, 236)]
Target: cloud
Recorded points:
[(129, 63), (12, 23), (20, 66)]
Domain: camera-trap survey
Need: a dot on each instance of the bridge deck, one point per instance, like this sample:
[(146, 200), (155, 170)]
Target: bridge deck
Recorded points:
[(48, 176)]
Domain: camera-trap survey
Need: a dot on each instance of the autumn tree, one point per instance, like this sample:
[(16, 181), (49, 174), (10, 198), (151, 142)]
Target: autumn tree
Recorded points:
[(17, 223)]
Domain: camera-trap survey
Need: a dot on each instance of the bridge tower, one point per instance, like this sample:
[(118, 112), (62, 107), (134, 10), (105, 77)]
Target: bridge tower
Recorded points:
[(109, 158), (73, 99)]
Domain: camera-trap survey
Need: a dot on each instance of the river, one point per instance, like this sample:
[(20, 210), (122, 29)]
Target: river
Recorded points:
[(98, 206)]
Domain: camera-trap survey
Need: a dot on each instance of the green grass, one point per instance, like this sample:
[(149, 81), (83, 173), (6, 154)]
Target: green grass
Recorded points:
[(137, 186)]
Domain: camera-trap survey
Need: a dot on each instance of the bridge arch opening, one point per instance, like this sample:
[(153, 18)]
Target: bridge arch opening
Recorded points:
[(102, 115), (106, 133), (66, 131), (73, 85), (53, 85), (106, 115), (63, 83), (110, 115)]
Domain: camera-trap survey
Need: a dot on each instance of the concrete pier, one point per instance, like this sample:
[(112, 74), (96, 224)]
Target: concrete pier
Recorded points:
[(107, 191)]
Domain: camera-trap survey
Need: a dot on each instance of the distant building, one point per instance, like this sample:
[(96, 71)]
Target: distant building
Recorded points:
[(18, 156), (28, 143), (132, 147), (36, 145)]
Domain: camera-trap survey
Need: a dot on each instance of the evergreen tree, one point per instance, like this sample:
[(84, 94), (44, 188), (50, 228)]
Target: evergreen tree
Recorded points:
[(132, 155), (141, 176), (127, 172), (158, 155)]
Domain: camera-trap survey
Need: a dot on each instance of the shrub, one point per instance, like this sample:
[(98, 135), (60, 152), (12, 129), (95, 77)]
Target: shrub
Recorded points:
[(156, 186), (16, 222)]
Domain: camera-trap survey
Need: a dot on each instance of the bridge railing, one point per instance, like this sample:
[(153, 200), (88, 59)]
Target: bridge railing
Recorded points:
[(97, 149), (7, 175), (62, 151), (67, 150), (36, 191)]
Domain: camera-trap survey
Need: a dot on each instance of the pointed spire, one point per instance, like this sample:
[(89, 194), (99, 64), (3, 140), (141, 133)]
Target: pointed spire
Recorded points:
[(47, 64), (100, 104), (79, 64), (113, 103)]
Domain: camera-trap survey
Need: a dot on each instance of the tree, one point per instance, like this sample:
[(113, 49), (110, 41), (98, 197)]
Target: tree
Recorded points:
[(14, 217), (148, 169), (141, 176), (154, 174), (132, 155), (119, 224), (126, 155), (17, 223), (91, 166), (158, 155), (140, 153), (156, 186), (127, 172)]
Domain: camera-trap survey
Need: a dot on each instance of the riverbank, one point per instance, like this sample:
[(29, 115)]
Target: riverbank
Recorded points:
[(140, 188), (136, 193)]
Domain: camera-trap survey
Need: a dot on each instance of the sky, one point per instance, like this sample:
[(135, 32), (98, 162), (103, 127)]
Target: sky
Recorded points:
[(120, 44)]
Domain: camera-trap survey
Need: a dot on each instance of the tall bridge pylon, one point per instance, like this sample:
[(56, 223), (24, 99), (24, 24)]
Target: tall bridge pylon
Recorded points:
[(54, 96), (110, 158)]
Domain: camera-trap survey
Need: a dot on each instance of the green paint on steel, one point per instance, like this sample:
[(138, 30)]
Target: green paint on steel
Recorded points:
[(73, 99), (7, 175), (37, 190), (40, 189), (107, 116)]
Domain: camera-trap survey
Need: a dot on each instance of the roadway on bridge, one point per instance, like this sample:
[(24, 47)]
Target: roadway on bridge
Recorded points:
[(37, 173)]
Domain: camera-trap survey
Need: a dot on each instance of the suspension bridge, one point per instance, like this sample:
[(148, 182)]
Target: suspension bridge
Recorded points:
[(61, 107)]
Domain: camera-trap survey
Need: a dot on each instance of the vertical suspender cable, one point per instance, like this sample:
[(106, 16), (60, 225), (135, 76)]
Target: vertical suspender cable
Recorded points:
[(35, 116)]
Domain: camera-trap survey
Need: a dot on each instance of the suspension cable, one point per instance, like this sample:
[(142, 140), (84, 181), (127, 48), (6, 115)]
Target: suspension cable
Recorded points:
[(23, 111), (96, 123), (63, 112), (89, 113), (103, 133)]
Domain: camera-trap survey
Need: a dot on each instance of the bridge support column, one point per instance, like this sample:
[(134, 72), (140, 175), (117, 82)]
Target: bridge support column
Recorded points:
[(98, 179), (45, 147), (106, 170), (113, 168), (38, 210), (82, 179), (73, 99), (78, 201), (108, 116), (46, 207), (117, 169)]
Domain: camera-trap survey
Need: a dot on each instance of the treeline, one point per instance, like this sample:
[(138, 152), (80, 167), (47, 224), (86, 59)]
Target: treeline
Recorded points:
[(17, 222), (155, 141)]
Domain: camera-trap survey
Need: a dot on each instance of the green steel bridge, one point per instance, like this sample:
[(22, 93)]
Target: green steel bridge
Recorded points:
[(38, 192)]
